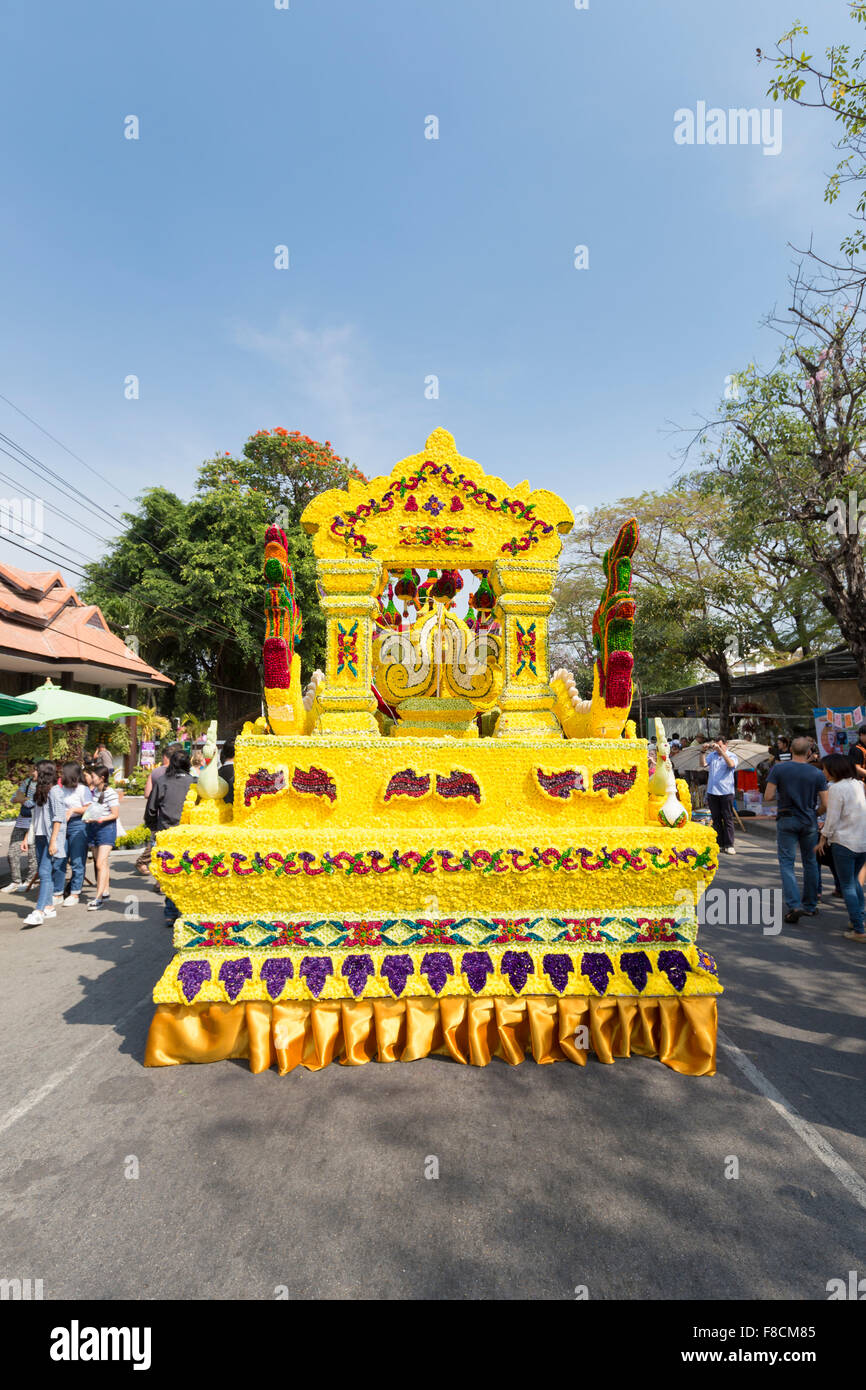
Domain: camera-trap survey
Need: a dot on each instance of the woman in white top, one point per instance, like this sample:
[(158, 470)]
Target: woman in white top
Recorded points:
[(101, 818), (49, 828), (77, 796), (845, 831)]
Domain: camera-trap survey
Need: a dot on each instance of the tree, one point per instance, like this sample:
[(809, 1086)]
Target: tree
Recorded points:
[(287, 467), (837, 85), (577, 596), (703, 591), (660, 660), (786, 455), (187, 576)]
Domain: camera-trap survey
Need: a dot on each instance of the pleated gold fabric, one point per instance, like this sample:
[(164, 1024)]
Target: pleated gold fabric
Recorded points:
[(680, 1032)]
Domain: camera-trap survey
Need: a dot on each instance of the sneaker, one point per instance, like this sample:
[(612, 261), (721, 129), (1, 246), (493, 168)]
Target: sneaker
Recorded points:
[(58, 899), (34, 920), (12, 888), (855, 935), (49, 912), (728, 849), (793, 915), (72, 901), (94, 904)]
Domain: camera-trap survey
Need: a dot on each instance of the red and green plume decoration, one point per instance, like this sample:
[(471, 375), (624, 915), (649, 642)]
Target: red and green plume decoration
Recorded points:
[(613, 621), (283, 621)]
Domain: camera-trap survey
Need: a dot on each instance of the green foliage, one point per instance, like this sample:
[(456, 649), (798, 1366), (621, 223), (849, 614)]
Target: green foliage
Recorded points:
[(114, 734), (151, 725), (287, 467), (133, 838), (577, 596), (661, 661), (7, 791), (187, 576), (194, 726), (707, 587), (785, 457), (836, 84), (32, 746), (136, 781)]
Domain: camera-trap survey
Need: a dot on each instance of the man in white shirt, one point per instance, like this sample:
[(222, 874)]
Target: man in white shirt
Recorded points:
[(721, 787)]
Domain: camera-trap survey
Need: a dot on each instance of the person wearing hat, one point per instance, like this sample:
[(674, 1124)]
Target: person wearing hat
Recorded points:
[(858, 754)]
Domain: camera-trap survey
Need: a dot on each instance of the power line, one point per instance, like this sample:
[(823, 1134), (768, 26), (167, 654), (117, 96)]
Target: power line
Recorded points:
[(179, 611), (95, 647), (163, 554), (62, 446), (56, 477)]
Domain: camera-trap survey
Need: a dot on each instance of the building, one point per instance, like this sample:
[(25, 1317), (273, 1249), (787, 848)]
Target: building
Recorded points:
[(46, 630), (779, 697)]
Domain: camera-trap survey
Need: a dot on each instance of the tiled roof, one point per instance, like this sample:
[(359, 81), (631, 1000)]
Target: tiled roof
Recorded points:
[(40, 616)]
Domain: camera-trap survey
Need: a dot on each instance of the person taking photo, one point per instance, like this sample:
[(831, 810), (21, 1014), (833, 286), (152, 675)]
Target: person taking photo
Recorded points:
[(721, 764)]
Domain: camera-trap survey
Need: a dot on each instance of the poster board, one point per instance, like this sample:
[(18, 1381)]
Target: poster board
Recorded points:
[(836, 729)]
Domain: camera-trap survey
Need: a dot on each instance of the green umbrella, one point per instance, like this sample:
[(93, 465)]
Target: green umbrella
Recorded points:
[(10, 706), (51, 706)]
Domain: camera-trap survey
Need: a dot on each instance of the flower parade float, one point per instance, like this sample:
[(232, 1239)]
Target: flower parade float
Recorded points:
[(434, 846)]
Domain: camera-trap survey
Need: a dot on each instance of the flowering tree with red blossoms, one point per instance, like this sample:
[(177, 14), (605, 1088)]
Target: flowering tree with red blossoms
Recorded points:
[(290, 468)]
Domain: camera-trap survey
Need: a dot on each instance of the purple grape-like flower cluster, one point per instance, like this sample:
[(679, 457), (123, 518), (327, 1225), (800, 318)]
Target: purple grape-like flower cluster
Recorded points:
[(636, 965), (597, 967), (275, 972), (517, 966), (437, 966), (476, 966), (234, 974), (676, 967), (357, 969), (315, 970), (396, 970), (192, 975), (558, 968)]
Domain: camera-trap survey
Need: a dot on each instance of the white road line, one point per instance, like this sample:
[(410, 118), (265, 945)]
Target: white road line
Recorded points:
[(810, 1136), (37, 1096)]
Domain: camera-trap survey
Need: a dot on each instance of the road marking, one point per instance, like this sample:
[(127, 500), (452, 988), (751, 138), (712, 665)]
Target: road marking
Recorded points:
[(37, 1096), (847, 1176)]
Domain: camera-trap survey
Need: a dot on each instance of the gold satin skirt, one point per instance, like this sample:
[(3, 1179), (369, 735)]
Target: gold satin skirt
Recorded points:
[(680, 1032)]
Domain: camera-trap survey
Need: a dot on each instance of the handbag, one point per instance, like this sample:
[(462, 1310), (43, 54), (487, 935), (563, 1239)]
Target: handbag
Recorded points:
[(26, 811)]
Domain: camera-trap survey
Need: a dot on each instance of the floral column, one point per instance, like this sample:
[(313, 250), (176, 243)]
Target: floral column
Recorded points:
[(345, 698), (524, 602)]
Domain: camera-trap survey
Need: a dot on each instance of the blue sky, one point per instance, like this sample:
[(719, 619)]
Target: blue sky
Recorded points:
[(409, 256)]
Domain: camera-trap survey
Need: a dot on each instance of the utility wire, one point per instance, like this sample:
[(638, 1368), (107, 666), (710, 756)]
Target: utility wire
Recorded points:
[(163, 554), (43, 553), (56, 478)]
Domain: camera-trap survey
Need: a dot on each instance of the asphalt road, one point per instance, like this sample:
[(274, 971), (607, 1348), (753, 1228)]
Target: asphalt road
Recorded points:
[(612, 1177)]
